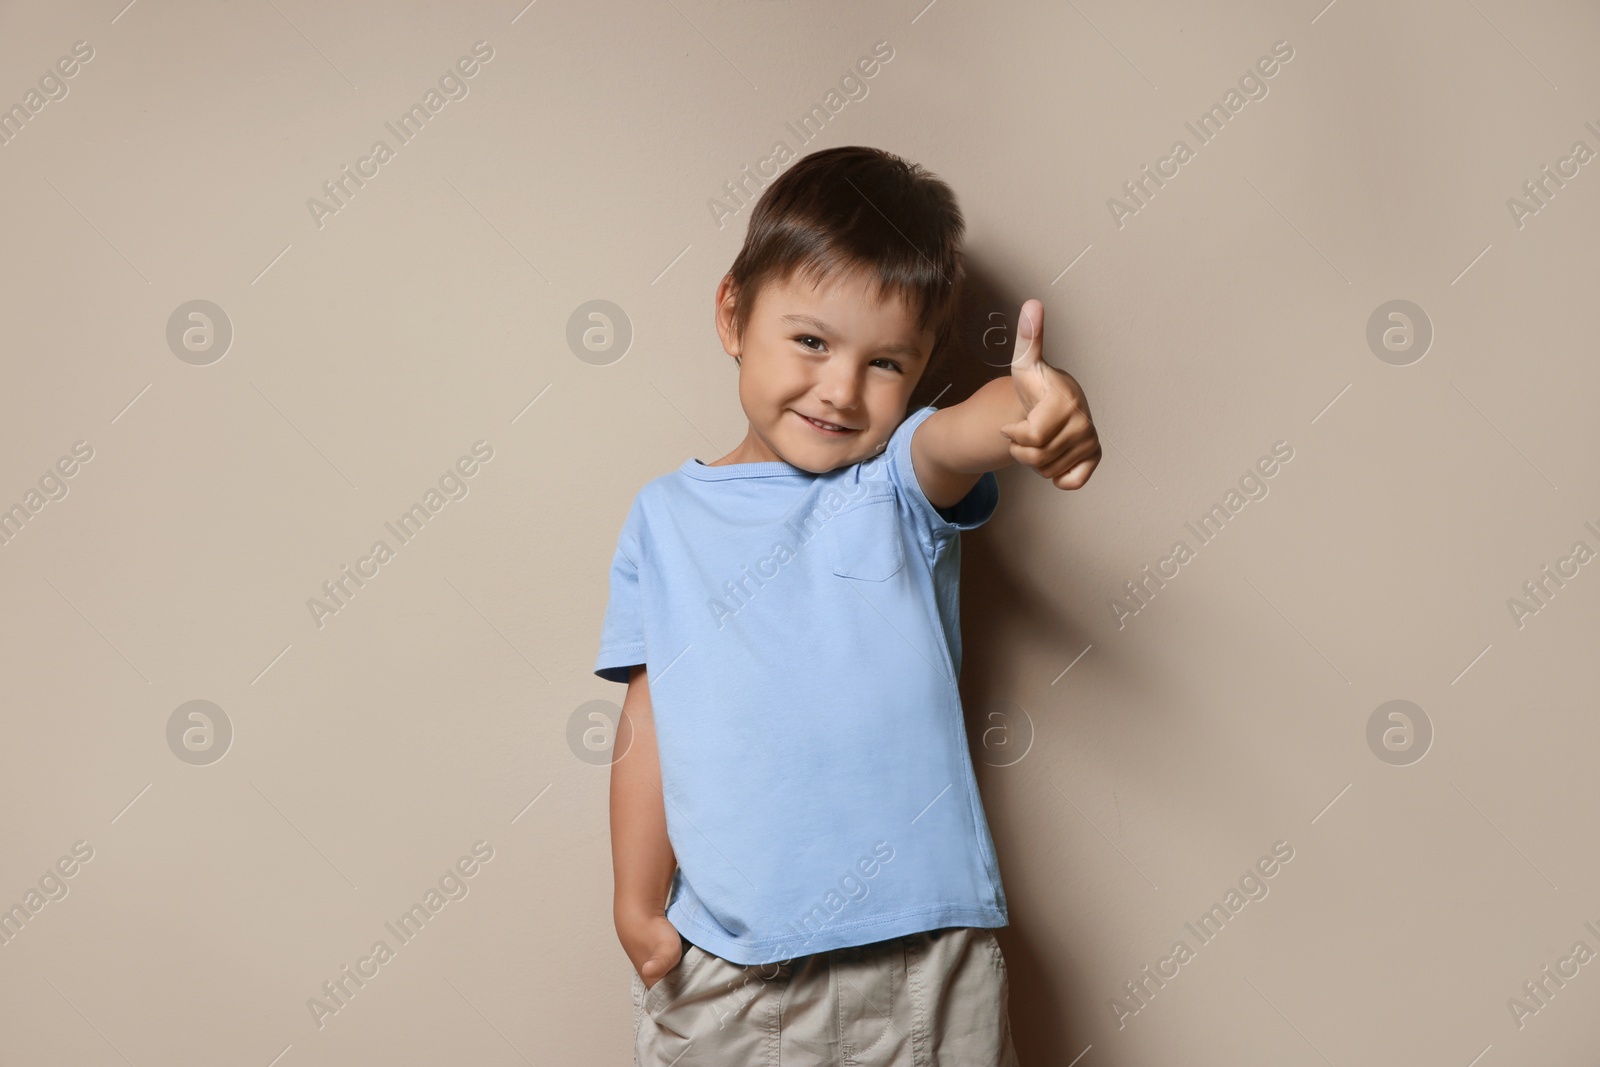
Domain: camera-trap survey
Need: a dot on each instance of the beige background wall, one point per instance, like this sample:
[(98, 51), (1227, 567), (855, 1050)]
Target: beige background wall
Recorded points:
[(371, 751)]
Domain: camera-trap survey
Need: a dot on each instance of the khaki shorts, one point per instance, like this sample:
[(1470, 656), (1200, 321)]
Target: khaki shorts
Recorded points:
[(931, 999)]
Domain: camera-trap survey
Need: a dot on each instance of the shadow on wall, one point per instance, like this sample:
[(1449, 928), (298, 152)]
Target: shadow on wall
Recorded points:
[(979, 348), (1050, 993)]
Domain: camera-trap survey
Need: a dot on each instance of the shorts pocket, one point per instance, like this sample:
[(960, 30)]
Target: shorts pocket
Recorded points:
[(999, 957), (671, 985), (864, 541), (638, 1003)]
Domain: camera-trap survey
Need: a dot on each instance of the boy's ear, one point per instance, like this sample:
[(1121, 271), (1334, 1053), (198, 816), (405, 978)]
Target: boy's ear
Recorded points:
[(722, 315)]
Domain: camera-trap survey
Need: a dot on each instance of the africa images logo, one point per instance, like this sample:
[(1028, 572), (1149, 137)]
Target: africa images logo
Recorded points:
[(342, 188), (737, 593), (1141, 989), (737, 193)]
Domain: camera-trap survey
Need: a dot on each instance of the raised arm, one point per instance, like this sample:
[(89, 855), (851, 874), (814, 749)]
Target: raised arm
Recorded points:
[(1037, 416), (642, 861)]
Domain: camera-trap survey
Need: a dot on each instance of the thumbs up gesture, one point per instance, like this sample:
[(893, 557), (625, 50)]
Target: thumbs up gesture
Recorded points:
[(1056, 436)]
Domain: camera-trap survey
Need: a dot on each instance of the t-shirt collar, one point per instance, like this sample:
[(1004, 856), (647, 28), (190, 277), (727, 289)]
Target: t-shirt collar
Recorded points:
[(768, 469)]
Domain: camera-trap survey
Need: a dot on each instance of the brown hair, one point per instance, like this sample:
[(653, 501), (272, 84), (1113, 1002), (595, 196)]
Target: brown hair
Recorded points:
[(856, 209)]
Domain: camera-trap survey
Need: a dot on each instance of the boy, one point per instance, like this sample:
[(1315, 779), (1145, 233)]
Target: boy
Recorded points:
[(803, 869)]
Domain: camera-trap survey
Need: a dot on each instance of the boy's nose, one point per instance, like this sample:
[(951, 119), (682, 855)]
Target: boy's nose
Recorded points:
[(840, 388)]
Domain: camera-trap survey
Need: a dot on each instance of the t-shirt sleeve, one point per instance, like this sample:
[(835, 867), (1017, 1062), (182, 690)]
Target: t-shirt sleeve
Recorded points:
[(622, 632), (968, 513)]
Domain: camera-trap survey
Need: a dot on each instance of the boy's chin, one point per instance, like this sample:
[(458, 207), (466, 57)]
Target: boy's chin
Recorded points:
[(822, 460), (820, 467)]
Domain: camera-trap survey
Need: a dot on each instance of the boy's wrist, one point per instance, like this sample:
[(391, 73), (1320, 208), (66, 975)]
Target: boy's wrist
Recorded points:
[(968, 437), (632, 908)]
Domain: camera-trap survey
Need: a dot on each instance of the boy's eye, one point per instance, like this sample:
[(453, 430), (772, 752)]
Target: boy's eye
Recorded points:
[(805, 337)]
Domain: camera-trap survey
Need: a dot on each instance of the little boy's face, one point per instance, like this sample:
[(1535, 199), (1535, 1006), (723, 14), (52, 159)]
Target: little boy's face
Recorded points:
[(835, 353)]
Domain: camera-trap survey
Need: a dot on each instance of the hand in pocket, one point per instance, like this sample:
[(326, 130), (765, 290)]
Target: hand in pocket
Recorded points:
[(653, 945)]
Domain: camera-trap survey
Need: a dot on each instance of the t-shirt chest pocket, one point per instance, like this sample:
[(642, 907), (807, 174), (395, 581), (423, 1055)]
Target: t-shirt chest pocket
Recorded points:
[(864, 540)]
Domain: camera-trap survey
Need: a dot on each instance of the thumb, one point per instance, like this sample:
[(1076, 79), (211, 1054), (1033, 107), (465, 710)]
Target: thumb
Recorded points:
[(655, 967), (1030, 336), (663, 959)]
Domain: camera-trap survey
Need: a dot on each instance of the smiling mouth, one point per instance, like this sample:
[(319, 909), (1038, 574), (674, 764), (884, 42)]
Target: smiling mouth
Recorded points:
[(828, 429)]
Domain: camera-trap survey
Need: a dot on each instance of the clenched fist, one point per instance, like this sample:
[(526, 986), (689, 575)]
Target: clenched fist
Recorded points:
[(1056, 436)]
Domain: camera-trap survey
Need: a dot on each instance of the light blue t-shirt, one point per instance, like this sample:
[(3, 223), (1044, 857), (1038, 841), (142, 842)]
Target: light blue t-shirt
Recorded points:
[(801, 639)]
